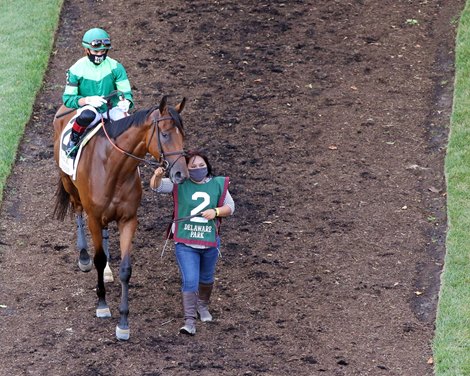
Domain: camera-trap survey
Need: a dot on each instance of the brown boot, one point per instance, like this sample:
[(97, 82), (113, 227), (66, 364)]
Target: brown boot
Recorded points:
[(203, 301), (189, 307)]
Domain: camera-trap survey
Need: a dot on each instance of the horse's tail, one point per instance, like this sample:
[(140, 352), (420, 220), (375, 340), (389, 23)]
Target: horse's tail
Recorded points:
[(62, 202)]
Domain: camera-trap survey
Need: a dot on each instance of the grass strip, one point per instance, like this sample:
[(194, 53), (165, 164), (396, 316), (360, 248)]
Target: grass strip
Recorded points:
[(451, 344), (27, 30)]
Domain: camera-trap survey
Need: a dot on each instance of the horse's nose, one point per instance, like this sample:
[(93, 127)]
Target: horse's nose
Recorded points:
[(178, 178)]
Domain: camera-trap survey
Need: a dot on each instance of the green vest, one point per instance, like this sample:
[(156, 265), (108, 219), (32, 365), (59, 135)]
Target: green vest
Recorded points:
[(189, 199)]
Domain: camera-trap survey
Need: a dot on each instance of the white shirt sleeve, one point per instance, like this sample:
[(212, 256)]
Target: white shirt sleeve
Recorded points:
[(166, 186)]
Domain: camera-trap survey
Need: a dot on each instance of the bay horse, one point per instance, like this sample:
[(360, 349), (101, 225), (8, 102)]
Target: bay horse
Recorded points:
[(108, 186)]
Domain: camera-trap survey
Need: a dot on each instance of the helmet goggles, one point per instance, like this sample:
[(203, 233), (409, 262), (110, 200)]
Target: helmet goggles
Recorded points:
[(99, 43)]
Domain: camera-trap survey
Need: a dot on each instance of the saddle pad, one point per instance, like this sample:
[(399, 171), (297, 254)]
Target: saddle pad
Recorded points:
[(66, 164)]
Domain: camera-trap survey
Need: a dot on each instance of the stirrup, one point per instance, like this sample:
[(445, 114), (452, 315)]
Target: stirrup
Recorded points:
[(71, 149), (72, 153)]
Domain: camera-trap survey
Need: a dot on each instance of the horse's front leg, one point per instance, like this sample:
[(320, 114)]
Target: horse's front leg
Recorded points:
[(126, 233), (84, 260), (100, 260)]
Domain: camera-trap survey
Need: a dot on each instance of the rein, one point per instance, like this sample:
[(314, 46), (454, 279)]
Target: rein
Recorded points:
[(122, 151), (162, 162), (185, 218), (176, 220)]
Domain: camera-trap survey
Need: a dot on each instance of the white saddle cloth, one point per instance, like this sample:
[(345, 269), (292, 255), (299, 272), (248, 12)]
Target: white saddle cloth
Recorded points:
[(66, 164)]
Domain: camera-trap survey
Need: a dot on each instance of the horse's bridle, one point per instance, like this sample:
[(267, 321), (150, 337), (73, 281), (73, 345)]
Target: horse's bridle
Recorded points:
[(162, 162)]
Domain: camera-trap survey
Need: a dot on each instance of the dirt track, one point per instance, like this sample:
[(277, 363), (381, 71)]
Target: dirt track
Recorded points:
[(331, 120)]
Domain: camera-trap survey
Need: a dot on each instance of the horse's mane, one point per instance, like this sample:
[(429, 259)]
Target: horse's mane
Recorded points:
[(118, 127), (138, 118)]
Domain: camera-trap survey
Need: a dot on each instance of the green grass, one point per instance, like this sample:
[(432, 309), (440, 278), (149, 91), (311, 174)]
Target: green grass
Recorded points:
[(451, 345), (27, 31)]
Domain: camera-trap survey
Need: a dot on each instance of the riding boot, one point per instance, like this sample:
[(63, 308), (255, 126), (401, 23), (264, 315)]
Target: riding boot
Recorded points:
[(79, 126), (72, 148), (189, 307), (203, 301)]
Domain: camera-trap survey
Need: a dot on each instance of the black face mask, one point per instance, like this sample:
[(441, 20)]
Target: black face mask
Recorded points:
[(97, 59)]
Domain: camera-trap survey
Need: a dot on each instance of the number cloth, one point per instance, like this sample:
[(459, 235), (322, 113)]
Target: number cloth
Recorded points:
[(191, 199)]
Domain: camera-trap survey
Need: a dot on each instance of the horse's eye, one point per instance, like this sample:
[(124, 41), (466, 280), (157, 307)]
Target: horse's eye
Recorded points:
[(165, 135)]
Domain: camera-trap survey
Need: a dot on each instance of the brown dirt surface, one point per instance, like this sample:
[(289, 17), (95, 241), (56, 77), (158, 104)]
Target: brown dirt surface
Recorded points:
[(331, 119)]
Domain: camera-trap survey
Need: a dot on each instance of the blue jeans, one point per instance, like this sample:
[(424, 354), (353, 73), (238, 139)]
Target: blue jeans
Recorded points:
[(196, 265)]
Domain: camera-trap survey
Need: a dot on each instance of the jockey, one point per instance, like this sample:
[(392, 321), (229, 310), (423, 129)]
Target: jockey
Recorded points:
[(89, 80)]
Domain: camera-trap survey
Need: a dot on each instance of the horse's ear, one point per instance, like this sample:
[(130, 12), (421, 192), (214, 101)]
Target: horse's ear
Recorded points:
[(180, 107), (162, 106)]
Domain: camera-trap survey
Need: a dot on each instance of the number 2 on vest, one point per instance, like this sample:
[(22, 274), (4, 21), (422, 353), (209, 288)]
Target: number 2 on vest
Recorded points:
[(201, 207)]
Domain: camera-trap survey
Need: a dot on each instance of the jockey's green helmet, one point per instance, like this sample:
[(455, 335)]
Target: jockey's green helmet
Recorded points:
[(96, 39)]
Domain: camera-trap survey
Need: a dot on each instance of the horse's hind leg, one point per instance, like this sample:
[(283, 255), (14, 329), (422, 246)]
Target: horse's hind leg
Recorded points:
[(68, 193), (108, 274), (84, 260)]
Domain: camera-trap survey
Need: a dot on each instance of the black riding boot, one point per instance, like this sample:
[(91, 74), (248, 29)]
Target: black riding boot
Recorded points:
[(72, 148), (81, 123)]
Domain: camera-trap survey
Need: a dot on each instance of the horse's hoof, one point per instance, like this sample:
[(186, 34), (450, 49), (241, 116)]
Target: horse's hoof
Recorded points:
[(85, 263), (85, 267), (108, 274), (122, 334), (103, 313)]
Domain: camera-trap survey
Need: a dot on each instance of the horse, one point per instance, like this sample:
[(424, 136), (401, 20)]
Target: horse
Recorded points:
[(108, 186)]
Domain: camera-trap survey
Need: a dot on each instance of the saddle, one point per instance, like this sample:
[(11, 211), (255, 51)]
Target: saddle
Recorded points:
[(69, 165)]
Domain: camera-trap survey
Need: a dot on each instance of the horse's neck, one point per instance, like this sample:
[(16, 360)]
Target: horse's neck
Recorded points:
[(133, 142), (117, 154)]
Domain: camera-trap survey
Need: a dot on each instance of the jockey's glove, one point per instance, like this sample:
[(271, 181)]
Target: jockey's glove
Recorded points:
[(95, 101), (124, 105)]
